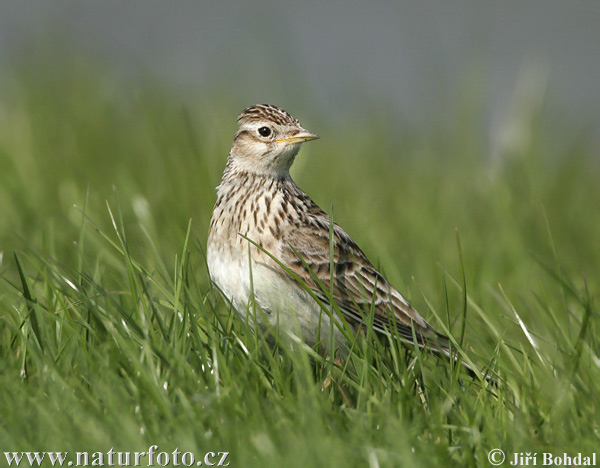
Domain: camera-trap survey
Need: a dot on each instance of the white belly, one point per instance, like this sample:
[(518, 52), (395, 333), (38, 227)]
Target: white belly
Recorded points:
[(283, 306)]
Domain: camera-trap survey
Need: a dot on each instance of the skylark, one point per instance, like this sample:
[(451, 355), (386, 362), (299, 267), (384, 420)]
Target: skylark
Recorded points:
[(266, 234)]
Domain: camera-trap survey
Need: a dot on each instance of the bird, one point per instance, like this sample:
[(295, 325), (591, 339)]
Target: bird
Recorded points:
[(281, 262)]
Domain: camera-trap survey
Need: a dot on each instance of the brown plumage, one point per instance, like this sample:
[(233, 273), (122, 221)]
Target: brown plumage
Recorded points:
[(258, 200)]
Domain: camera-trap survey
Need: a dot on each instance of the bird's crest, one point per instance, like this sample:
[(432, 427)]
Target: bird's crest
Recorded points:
[(267, 112)]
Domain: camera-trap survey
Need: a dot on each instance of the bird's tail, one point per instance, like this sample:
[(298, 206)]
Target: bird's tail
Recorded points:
[(442, 345)]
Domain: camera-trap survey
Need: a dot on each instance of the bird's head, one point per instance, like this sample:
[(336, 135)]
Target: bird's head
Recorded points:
[(267, 141)]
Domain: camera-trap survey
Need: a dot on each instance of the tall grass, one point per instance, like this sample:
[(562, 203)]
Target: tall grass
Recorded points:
[(112, 336)]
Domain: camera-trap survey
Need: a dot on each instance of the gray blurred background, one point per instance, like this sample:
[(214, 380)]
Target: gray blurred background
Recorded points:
[(331, 61)]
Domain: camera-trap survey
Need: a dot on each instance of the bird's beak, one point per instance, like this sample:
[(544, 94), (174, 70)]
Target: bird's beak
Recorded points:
[(299, 137)]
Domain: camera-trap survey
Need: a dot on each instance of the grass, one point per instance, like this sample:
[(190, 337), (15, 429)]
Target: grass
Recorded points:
[(112, 336)]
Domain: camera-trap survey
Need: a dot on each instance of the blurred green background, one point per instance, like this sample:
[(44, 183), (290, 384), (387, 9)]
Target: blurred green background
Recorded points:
[(74, 137), (106, 336)]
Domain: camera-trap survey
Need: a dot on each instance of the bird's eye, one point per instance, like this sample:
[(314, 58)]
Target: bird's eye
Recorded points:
[(264, 131)]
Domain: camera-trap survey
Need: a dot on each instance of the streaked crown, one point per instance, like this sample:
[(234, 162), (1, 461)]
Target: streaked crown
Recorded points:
[(267, 112)]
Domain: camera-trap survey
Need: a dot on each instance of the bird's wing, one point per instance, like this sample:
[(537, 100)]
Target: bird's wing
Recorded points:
[(357, 285)]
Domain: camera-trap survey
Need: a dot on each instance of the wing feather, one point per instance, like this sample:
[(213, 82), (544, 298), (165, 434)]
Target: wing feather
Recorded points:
[(357, 285)]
